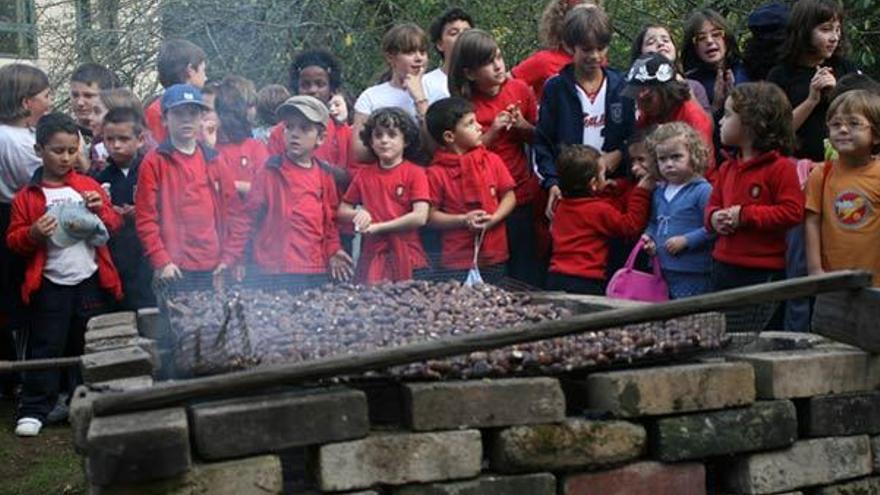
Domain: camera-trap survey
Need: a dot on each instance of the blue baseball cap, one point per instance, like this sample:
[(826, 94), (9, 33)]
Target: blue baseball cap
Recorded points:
[(182, 94), (769, 17)]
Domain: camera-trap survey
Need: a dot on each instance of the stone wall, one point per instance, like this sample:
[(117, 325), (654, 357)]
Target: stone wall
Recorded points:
[(804, 419)]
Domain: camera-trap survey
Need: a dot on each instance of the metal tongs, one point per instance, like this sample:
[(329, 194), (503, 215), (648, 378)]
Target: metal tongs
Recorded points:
[(473, 276)]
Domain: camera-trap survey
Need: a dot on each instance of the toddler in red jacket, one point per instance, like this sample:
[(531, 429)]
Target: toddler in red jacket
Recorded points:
[(585, 221)]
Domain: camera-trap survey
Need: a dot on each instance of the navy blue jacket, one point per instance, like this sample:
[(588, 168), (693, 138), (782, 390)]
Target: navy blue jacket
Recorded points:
[(560, 120)]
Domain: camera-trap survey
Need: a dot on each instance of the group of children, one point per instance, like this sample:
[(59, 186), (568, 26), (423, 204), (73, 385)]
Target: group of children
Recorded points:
[(430, 174)]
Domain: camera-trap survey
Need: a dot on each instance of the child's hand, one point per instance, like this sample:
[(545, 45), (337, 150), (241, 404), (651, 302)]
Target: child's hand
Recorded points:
[(647, 182), (170, 272), (648, 245), (413, 85), (362, 220), (553, 195), (518, 120), (341, 266), (677, 244), (720, 221), (502, 121), (42, 229), (93, 200), (475, 219), (823, 79), (128, 210), (734, 216)]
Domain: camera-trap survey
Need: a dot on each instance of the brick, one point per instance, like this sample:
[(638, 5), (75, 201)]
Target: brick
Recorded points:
[(148, 323), (529, 484), (809, 372), (817, 461), (875, 449), (575, 443), (399, 459), (119, 363), (250, 476), (670, 389), (643, 478), (80, 415), (864, 486), (111, 320), (148, 345), (116, 333), (269, 423), (483, 403), (762, 426), (134, 382), (138, 447), (840, 415)]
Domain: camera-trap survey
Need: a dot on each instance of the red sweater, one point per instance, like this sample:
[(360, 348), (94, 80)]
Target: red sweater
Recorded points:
[(582, 227), (244, 158), (540, 66), (772, 202), (28, 205), (188, 212), (153, 116)]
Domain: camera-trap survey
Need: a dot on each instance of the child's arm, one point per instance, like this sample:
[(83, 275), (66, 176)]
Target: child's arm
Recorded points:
[(415, 219), (25, 235), (99, 203), (822, 79), (787, 209), (339, 263), (507, 204), (813, 238), (615, 223), (699, 237), (441, 220), (146, 218)]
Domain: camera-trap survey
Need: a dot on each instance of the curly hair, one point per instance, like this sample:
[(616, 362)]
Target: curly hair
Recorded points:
[(766, 116), (577, 165), (553, 20), (697, 149), (439, 24), (393, 118), (689, 58), (316, 57), (805, 16)]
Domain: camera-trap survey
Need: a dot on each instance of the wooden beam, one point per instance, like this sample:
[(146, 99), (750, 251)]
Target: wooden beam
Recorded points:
[(38, 364), (851, 317), (171, 393)]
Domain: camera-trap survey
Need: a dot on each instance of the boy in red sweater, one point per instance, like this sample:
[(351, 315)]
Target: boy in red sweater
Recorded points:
[(585, 221), (294, 198), (471, 192), (60, 223), (179, 62), (188, 214)]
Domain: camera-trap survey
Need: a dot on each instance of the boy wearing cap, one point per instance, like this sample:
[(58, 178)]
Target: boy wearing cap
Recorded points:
[(188, 214), (294, 199), (60, 222)]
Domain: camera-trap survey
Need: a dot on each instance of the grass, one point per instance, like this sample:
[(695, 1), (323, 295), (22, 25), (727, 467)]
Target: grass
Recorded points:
[(45, 465)]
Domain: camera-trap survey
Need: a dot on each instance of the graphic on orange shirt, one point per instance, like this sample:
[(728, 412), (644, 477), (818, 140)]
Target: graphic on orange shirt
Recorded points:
[(852, 208)]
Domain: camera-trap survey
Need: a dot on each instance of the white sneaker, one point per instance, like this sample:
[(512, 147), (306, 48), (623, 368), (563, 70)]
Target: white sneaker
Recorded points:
[(28, 427)]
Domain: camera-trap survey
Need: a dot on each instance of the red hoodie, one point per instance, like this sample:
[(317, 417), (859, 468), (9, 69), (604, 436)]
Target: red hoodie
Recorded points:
[(772, 202), (29, 204)]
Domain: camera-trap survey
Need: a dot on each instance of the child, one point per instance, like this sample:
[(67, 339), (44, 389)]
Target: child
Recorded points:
[(584, 222), (86, 84), (293, 205), (675, 231), (507, 111), (394, 199), (843, 196), (444, 32), (583, 104), (756, 198), (244, 154), (179, 62), (188, 213), (471, 191), (814, 59), (67, 264), (269, 98), (123, 130), (339, 106)]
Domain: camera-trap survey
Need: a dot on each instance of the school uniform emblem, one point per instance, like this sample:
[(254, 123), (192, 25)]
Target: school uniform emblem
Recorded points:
[(244, 162), (755, 191), (617, 113), (398, 191), (852, 208), (492, 191)]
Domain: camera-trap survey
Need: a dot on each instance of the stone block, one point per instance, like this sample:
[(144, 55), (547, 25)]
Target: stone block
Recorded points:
[(864, 486), (785, 341), (573, 444), (840, 415), (819, 461), (119, 363), (670, 389), (269, 423), (111, 320), (875, 449), (138, 447), (529, 484), (808, 372), (643, 478), (134, 382), (148, 323), (251, 476), (483, 403), (80, 416), (762, 426), (117, 333), (399, 459), (148, 345)]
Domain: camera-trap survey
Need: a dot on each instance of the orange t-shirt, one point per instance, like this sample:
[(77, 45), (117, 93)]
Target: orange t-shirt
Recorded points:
[(849, 211)]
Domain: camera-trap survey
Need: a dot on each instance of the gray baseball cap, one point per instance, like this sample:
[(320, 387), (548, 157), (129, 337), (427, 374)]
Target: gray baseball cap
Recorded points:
[(309, 107), (76, 223)]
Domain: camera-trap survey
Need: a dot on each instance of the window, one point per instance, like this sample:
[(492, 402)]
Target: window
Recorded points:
[(18, 33)]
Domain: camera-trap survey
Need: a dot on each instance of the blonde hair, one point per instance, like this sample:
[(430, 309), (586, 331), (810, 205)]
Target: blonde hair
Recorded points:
[(860, 102), (553, 19), (697, 149)]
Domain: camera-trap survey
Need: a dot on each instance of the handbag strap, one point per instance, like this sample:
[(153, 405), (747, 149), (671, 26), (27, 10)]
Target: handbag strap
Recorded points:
[(631, 260)]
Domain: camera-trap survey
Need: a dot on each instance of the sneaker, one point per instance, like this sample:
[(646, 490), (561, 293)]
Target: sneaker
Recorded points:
[(60, 412), (28, 427)]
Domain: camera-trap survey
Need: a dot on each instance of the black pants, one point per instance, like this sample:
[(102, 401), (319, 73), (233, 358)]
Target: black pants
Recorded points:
[(752, 318), (575, 285), (11, 309), (58, 320), (524, 264)]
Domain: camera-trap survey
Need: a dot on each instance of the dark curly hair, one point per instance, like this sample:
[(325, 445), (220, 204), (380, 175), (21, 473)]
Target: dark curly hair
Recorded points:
[(766, 116), (577, 165), (316, 57), (439, 24), (689, 58), (805, 16), (393, 118)]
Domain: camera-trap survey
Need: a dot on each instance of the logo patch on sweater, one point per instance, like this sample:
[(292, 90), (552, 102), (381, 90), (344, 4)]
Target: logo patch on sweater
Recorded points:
[(755, 191), (852, 208), (492, 191), (398, 191)]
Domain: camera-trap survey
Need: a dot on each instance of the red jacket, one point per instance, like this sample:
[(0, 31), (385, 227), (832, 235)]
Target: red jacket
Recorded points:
[(540, 66), (188, 212), (153, 117), (582, 227), (772, 202), (296, 208), (244, 159), (28, 205)]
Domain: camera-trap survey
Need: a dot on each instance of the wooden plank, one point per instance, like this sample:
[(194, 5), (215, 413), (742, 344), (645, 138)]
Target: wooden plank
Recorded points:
[(170, 393), (851, 317)]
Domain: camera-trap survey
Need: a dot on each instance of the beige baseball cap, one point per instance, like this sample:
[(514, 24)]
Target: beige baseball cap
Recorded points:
[(310, 107)]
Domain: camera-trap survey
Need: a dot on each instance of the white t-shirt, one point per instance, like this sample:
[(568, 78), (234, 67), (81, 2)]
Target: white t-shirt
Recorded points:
[(18, 160), (593, 115), (672, 190), (436, 85), (385, 95), (73, 264)]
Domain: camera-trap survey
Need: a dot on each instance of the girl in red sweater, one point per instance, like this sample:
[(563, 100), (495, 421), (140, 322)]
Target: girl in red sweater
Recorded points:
[(757, 196)]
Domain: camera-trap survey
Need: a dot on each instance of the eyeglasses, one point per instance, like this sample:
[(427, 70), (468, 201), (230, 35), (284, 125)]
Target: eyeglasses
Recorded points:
[(851, 124), (714, 35)]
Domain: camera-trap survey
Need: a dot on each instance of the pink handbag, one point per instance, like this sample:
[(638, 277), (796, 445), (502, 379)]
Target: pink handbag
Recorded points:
[(629, 283)]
